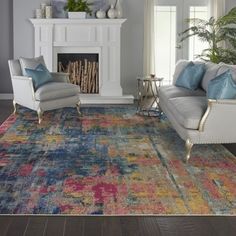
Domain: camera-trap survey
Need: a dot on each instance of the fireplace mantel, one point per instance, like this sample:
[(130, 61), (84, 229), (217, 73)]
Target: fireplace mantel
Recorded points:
[(102, 36)]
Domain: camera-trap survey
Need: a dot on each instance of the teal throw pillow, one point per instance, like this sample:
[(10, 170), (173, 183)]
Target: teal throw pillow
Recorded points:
[(40, 76), (222, 87), (191, 76)]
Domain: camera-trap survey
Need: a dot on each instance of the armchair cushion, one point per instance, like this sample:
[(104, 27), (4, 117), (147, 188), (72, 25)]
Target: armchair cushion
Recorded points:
[(55, 90), (30, 63), (40, 76), (188, 111)]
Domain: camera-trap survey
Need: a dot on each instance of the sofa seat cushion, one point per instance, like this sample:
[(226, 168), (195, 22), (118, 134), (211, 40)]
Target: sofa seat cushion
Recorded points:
[(167, 92), (52, 91), (188, 111)]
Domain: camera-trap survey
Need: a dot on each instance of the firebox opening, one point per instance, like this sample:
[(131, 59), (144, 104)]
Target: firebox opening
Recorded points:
[(83, 69)]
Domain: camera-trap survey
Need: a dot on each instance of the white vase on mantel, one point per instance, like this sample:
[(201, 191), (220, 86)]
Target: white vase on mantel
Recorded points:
[(119, 9), (100, 14), (112, 12)]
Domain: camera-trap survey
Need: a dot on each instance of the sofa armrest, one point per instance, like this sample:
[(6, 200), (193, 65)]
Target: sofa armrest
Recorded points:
[(219, 116), (61, 77), (23, 89)]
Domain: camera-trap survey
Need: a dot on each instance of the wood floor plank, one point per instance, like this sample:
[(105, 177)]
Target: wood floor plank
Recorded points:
[(111, 226), (232, 222), (18, 226), (6, 109), (180, 226), (74, 226), (149, 226), (36, 226), (55, 226), (93, 226), (4, 224), (223, 226), (130, 226)]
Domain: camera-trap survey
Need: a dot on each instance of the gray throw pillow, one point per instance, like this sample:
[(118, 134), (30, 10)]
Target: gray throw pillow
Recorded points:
[(30, 63)]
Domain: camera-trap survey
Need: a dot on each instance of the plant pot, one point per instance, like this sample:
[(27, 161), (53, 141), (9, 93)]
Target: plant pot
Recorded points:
[(77, 15)]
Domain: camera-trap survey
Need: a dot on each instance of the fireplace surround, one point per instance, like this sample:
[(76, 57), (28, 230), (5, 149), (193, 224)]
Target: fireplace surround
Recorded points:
[(89, 36)]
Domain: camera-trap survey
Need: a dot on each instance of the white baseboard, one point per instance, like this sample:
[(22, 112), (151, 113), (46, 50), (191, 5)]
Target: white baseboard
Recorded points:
[(97, 99), (6, 96)]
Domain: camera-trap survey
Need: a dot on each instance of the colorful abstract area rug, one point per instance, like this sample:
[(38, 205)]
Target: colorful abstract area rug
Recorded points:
[(109, 162)]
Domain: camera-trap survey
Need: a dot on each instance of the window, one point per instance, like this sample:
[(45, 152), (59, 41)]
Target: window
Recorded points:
[(170, 16)]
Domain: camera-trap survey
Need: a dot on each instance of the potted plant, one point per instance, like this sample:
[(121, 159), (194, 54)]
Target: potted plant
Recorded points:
[(220, 34), (77, 9)]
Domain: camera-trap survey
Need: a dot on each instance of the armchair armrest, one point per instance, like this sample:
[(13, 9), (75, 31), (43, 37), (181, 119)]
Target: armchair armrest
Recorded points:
[(23, 89), (61, 77), (220, 116)]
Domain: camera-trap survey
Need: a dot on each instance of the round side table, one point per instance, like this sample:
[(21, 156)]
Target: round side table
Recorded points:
[(148, 95)]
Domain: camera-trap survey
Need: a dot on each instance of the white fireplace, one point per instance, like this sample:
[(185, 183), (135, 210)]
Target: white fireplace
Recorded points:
[(91, 36)]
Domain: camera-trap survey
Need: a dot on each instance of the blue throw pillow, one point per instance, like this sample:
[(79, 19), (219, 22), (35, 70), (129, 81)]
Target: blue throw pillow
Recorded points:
[(40, 76), (191, 76), (222, 87)]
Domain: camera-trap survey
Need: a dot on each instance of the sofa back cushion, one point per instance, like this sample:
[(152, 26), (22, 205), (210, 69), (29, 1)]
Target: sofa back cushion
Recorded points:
[(222, 87), (180, 65), (211, 72), (191, 76)]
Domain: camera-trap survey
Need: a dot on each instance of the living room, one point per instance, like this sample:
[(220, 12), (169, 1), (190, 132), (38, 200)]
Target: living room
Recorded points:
[(117, 117)]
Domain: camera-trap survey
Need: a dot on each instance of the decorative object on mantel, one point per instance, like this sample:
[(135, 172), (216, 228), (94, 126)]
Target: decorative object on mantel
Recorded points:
[(48, 12), (100, 14), (112, 12), (78, 9), (43, 9), (118, 8), (58, 8), (38, 13)]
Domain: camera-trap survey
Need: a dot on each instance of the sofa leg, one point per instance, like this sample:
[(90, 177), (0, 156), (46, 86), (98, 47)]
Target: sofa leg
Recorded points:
[(14, 106), (189, 146), (78, 108), (40, 115)]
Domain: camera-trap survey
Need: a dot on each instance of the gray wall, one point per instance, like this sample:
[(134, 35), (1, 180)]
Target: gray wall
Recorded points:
[(132, 38), (6, 42)]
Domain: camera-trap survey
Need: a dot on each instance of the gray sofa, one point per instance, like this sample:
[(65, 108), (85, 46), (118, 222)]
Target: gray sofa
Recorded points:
[(196, 119)]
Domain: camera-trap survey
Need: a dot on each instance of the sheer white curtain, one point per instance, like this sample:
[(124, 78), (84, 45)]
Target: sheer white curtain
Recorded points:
[(216, 8), (149, 38)]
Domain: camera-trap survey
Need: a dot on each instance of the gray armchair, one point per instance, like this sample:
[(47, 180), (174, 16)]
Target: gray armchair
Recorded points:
[(54, 95)]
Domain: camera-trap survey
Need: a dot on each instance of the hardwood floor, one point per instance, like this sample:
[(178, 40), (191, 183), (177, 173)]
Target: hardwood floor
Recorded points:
[(116, 226), (6, 109), (112, 226)]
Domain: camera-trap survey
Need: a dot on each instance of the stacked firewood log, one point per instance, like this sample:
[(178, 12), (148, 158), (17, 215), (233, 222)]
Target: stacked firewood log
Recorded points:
[(83, 73)]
